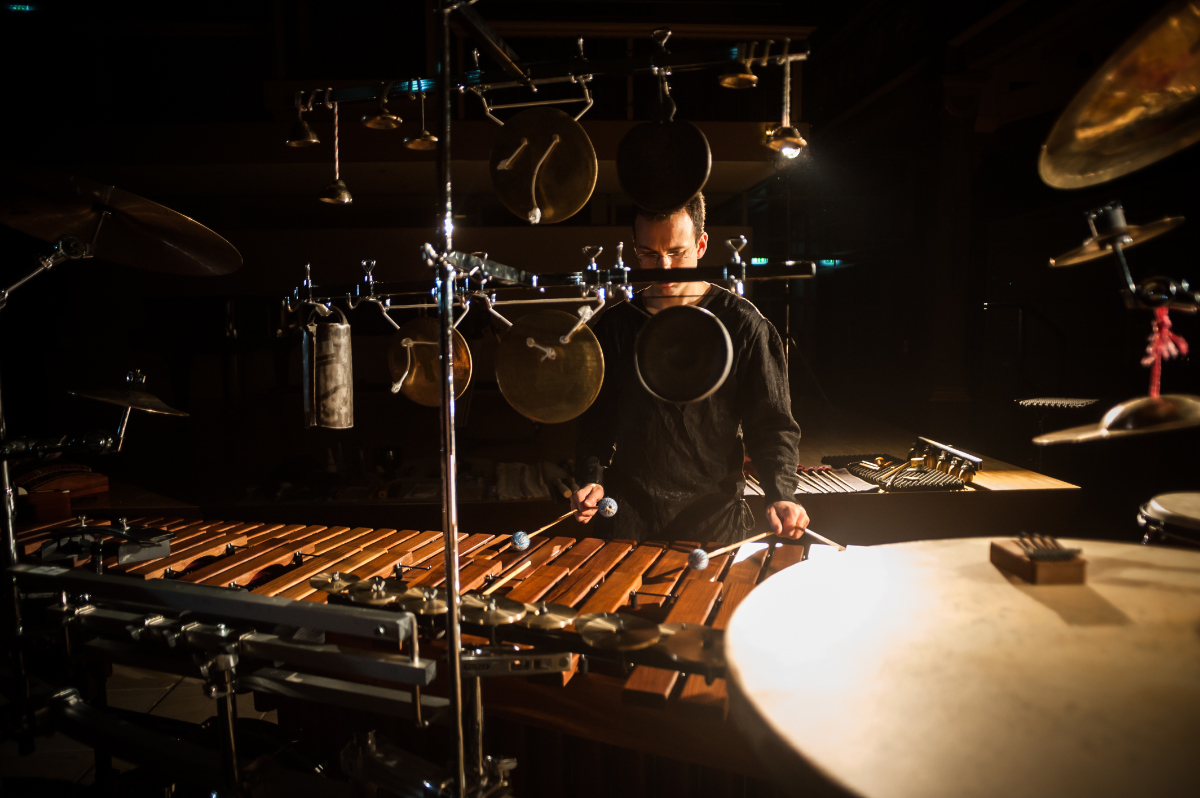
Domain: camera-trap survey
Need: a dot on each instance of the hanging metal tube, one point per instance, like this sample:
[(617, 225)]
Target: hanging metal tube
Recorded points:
[(445, 300)]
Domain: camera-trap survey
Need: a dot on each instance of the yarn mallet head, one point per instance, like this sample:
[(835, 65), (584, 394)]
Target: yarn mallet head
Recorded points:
[(607, 507), (698, 560)]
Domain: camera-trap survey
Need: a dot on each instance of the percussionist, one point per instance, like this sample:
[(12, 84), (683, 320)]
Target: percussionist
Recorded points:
[(676, 470)]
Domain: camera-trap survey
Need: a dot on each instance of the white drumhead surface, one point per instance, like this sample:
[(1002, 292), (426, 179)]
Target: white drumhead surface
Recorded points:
[(920, 669)]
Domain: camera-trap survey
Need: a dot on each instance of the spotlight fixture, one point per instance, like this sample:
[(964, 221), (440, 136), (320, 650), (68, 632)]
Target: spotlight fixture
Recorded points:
[(336, 192), (425, 141), (301, 133), (383, 119), (738, 74), (785, 138)]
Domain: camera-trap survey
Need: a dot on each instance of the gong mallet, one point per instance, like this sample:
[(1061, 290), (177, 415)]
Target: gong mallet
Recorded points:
[(698, 559), (606, 506)]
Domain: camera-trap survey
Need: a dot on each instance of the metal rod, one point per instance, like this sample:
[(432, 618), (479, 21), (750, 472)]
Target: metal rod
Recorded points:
[(445, 298)]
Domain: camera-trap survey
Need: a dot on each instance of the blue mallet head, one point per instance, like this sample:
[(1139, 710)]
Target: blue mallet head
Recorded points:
[(698, 560), (607, 507), (520, 541)]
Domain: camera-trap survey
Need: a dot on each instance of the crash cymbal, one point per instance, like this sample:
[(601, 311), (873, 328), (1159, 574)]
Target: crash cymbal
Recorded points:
[(542, 378), (1140, 107), (662, 165), (490, 610), (138, 400), (423, 601), (135, 232), (683, 354), (1109, 228), (416, 366), (377, 590), (1140, 416), (332, 581), (543, 615), (696, 643), (543, 166), (616, 632)]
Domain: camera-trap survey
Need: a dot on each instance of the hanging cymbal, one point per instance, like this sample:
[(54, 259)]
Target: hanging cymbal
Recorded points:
[(543, 166), (542, 378), (616, 632), (416, 366), (1109, 228), (1140, 416), (138, 400), (332, 581), (132, 230), (1142, 105), (683, 354), (491, 610), (543, 615)]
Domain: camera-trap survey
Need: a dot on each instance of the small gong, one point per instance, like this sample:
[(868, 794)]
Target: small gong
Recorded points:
[(415, 364), (683, 354), (541, 377), (543, 166), (662, 165)]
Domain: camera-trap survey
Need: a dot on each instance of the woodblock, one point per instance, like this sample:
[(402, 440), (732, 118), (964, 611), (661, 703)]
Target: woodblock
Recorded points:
[(1007, 555)]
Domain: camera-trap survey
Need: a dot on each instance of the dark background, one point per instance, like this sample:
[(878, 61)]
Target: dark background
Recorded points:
[(925, 122)]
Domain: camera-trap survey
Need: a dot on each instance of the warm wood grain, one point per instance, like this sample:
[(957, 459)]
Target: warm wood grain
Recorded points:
[(652, 686)]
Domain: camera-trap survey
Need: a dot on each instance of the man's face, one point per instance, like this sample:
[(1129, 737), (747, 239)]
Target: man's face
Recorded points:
[(668, 244)]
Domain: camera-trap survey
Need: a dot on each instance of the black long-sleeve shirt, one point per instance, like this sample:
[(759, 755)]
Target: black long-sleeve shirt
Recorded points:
[(676, 470)]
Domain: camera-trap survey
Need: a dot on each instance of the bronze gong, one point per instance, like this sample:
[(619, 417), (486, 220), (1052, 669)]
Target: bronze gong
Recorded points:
[(544, 379), (415, 364), (1140, 107), (543, 166)]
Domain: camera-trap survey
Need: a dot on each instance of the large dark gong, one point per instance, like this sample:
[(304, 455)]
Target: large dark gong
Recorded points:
[(662, 165), (683, 354)]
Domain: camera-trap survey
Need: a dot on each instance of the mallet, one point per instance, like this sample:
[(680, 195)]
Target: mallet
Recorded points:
[(698, 559), (607, 507)]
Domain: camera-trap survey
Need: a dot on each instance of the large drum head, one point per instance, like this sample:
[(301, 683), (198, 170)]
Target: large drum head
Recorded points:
[(416, 366), (544, 379), (683, 354)]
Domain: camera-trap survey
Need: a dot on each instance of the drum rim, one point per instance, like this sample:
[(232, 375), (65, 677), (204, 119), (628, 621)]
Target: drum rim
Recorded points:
[(1159, 512)]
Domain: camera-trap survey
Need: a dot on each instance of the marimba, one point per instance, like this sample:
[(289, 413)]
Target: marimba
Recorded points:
[(650, 710)]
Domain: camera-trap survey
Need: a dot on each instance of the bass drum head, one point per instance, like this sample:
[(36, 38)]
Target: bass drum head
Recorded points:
[(1176, 509), (683, 354)]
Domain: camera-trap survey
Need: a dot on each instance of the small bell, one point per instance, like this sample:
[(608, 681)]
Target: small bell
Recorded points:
[(336, 193)]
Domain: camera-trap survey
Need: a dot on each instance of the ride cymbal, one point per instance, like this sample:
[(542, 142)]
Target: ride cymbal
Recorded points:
[(543, 166), (1141, 416), (542, 378), (126, 228), (616, 632), (124, 397), (415, 362), (1142, 105), (1109, 228)]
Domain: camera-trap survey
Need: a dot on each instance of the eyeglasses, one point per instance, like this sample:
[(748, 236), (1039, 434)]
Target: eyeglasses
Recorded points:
[(649, 258)]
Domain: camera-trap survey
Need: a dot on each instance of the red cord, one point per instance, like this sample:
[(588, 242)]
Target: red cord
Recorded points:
[(1163, 344)]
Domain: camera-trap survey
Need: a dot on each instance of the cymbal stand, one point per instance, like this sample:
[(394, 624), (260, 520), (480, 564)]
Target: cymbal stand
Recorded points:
[(66, 248)]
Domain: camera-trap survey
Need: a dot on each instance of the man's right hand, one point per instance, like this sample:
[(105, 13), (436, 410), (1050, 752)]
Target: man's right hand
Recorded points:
[(584, 500)]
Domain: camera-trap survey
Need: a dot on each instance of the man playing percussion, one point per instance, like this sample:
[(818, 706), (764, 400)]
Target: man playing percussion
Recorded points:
[(676, 470)]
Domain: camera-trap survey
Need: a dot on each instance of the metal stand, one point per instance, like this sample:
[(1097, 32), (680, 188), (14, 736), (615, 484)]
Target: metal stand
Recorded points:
[(445, 301)]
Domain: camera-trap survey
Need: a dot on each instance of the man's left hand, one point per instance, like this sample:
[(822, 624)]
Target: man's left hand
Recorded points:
[(787, 519)]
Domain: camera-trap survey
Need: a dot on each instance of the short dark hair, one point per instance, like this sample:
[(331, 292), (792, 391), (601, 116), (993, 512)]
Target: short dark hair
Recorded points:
[(694, 208)]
